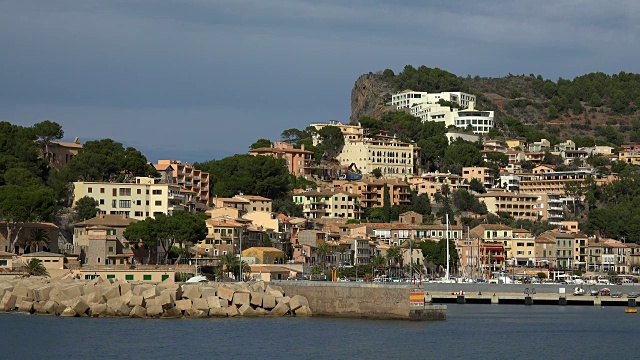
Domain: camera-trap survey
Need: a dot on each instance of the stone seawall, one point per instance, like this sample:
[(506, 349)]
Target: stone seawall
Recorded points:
[(362, 300), (119, 298)]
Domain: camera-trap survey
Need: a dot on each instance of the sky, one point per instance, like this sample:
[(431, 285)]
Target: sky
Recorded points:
[(203, 79)]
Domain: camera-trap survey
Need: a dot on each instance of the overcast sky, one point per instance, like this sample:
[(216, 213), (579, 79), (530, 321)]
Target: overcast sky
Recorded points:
[(202, 79)]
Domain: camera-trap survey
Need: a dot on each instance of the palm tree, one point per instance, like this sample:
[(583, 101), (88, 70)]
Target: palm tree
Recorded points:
[(38, 237), (377, 262), (229, 262), (342, 249), (35, 268), (322, 251), (393, 255)]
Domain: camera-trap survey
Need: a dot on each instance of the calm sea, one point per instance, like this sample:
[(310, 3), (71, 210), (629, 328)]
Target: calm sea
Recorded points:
[(471, 332)]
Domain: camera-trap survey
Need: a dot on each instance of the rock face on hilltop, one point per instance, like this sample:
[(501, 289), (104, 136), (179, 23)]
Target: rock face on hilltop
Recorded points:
[(368, 96)]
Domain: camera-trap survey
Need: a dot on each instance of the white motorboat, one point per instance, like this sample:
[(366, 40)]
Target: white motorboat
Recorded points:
[(578, 291), (197, 279)]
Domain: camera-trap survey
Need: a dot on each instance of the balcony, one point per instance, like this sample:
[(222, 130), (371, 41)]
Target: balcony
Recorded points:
[(102, 237), (196, 186), (180, 181), (188, 183), (196, 177)]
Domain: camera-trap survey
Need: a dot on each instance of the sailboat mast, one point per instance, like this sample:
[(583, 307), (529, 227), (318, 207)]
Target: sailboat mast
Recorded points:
[(447, 274)]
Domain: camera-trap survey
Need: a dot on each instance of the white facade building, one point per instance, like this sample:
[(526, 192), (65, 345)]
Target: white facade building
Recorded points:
[(408, 98)]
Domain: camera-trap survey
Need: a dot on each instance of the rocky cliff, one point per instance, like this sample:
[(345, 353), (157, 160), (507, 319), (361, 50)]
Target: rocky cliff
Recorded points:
[(368, 96)]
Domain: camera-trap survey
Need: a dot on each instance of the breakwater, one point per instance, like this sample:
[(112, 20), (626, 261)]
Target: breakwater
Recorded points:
[(119, 298), (359, 300)]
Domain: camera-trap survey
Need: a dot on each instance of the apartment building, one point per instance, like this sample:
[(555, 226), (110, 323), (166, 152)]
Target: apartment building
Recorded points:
[(483, 174), (256, 203), (630, 154), (223, 237), (554, 182), (371, 191), (452, 136), (330, 204), (550, 208), (139, 200), (432, 183), (189, 178), (409, 98), (545, 251), (394, 157), (299, 161), (350, 132), (510, 182), (481, 122), (59, 153), (518, 205), (540, 146), (516, 144)]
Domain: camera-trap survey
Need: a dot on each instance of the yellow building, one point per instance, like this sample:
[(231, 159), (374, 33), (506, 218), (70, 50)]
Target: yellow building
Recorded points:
[(482, 174), (518, 205), (395, 158), (264, 255), (338, 204), (6, 260), (431, 183), (371, 191), (554, 182), (138, 200)]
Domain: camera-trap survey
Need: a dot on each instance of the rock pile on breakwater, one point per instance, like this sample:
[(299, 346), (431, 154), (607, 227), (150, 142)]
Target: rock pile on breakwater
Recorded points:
[(119, 298)]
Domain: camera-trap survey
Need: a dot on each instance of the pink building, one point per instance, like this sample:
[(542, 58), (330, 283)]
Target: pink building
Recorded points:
[(299, 161)]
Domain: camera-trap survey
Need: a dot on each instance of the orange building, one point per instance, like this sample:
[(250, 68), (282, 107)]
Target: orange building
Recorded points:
[(299, 161)]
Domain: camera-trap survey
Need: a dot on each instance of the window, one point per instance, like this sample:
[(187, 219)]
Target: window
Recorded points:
[(126, 245), (125, 191), (125, 203), (158, 203), (3, 263), (98, 260), (114, 192), (139, 191), (114, 203), (128, 277), (101, 190), (110, 249), (89, 190), (157, 192), (111, 276), (138, 213), (138, 202), (101, 201), (146, 277), (165, 277)]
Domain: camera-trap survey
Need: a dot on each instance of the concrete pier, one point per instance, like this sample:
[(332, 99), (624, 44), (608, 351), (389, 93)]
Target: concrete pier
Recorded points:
[(358, 300)]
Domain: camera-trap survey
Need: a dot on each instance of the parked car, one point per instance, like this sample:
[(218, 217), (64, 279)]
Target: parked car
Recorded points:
[(633, 295), (605, 292), (616, 294)]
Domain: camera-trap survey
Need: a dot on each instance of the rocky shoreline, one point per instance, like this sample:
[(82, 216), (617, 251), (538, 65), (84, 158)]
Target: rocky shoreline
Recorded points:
[(119, 298)]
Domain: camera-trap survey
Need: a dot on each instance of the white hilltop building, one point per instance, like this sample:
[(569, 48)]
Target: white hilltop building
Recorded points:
[(427, 107)]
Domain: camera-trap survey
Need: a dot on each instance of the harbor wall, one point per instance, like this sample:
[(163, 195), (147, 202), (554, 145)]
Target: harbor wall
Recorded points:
[(362, 300)]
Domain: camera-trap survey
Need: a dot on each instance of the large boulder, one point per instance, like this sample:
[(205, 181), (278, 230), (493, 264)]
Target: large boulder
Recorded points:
[(41, 293), (49, 307), (207, 291), (68, 312), (79, 306), (136, 300), (26, 306), (268, 301), (256, 298), (246, 310), (280, 310), (218, 312), (241, 298), (154, 310), (184, 304), (98, 310), (150, 293), (191, 291), (111, 292), (297, 302), (232, 311), (73, 291), (9, 301), (225, 293), (172, 312), (275, 291), (201, 304), (213, 301), (195, 313), (303, 311), (138, 312)]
